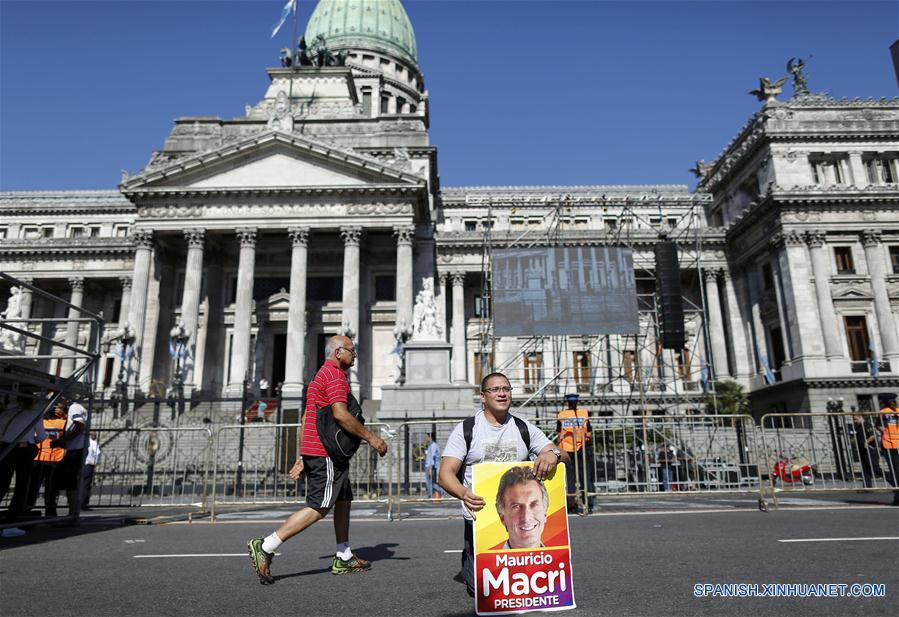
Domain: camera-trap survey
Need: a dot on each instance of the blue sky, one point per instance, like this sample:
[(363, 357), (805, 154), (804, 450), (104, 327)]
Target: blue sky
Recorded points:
[(522, 92)]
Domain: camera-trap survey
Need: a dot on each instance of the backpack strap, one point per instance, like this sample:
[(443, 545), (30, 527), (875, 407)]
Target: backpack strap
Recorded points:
[(467, 432), (525, 433)]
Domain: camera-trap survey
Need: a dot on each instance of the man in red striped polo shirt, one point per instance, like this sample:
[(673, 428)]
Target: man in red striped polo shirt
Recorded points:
[(328, 483)]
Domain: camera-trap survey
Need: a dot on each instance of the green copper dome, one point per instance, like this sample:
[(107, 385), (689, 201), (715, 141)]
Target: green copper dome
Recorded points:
[(364, 24)]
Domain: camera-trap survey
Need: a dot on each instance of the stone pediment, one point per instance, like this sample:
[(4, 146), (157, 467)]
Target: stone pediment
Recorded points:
[(851, 292), (271, 160)]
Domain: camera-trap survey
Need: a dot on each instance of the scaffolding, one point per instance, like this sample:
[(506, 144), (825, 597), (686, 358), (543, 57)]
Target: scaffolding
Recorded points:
[(614, 374)]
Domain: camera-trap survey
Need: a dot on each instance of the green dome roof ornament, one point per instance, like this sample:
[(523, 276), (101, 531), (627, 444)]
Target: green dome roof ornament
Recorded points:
[(380, 25)]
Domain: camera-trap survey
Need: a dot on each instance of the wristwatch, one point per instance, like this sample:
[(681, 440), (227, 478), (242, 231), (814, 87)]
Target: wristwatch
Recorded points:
[(557, 452)]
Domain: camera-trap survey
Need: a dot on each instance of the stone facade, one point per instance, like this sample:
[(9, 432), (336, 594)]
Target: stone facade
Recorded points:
[(320, 212)]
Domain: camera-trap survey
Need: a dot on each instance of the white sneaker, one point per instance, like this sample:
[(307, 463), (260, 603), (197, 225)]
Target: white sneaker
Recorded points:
[(12, 532)]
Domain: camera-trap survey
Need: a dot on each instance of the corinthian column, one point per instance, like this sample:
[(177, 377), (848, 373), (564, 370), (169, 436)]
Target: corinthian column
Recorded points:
[(296, 313), (190, 299), (404, 282), (738, 334), (876, 270), (350, 316), (716, 324), (460, 360), (140, 278), (821, 272), (441, 303), (243, 311), (72, 327)]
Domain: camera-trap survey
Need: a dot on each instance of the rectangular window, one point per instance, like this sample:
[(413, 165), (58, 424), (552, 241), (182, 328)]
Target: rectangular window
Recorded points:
[(385, 287), (3, 232), (533, 366), (385, 104), (767, 277), (629, 358), (471, 225), (611, 224), (880, 169), (95, 232), (857, 337), (483, 366), (366, 101), (828, 170), (400, 103), (894, 258), (517, 224), (481, 306), (672, 222), (48, 232), (121, 231), (76, 232), (107, 372), (31, 233), (582, 364), (843, 257), (324, 288)]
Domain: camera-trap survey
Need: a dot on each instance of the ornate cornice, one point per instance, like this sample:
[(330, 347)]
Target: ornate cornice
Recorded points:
[(64, 202), (247, 237), (299, 236), (42, 246)]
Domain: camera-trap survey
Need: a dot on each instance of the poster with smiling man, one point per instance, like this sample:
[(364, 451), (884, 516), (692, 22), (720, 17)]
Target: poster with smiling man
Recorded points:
[(522, 554)]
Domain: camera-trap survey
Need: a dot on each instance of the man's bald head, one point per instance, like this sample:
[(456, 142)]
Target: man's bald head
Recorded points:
[(341, 350)]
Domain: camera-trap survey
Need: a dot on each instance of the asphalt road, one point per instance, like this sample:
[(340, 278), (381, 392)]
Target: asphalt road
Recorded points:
[(644, 563)]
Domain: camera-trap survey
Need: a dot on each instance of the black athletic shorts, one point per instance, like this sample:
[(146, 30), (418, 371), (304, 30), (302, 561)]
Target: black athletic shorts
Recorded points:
[(69, 470), (327, 483)]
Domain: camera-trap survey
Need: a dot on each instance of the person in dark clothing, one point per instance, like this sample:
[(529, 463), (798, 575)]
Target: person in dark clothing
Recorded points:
[(866, 447)]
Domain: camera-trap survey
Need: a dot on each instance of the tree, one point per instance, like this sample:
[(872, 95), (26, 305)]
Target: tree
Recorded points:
[(727, 398)]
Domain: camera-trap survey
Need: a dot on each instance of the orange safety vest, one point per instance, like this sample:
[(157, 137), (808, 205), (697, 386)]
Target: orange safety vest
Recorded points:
[(55, 429), (889, 439), (574, 429)]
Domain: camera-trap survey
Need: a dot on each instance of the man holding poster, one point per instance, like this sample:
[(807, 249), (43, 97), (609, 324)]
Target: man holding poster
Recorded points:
[(491, 435)]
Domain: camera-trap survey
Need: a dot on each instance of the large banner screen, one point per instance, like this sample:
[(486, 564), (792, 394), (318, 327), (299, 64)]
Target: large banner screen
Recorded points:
[(567, 290)]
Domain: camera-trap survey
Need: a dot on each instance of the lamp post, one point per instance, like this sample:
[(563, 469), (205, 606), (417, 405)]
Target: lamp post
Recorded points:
[(125, 336), (179, 337)]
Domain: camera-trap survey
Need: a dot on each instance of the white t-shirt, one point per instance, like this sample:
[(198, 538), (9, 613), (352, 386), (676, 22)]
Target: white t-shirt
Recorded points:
[(77, 413), (494, 444)]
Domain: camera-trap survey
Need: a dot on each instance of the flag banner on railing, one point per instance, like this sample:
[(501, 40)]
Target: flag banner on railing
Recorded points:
[(522, 552)]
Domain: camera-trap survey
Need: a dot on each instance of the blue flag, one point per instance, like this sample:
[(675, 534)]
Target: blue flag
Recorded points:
[(290, 7), (769, 374), (873, 364)]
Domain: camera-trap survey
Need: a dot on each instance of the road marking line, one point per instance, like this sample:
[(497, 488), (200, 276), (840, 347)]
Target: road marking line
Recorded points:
[(193, 555), (455, 550), (838, 539)]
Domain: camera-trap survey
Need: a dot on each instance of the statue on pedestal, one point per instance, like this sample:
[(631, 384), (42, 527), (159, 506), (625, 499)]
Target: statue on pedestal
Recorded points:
[(424, 314)]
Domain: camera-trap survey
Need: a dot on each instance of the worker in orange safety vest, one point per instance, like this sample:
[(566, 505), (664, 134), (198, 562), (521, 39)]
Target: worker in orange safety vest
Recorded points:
[(573, 430), (889, 440)]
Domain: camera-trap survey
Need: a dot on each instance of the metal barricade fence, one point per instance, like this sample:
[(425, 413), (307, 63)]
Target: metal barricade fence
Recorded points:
[(152, 466), (251, 464), (631, 456), (409, 481), (665, 454), (842, 452)]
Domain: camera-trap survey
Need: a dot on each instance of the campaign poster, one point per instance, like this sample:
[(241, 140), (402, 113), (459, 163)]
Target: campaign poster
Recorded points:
[(521, 546)]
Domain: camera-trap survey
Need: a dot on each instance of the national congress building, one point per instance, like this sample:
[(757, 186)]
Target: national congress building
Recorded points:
[(321, 211)]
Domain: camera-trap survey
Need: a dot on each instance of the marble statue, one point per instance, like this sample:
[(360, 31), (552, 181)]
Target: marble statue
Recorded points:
[(9, 340), (424, 313)]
